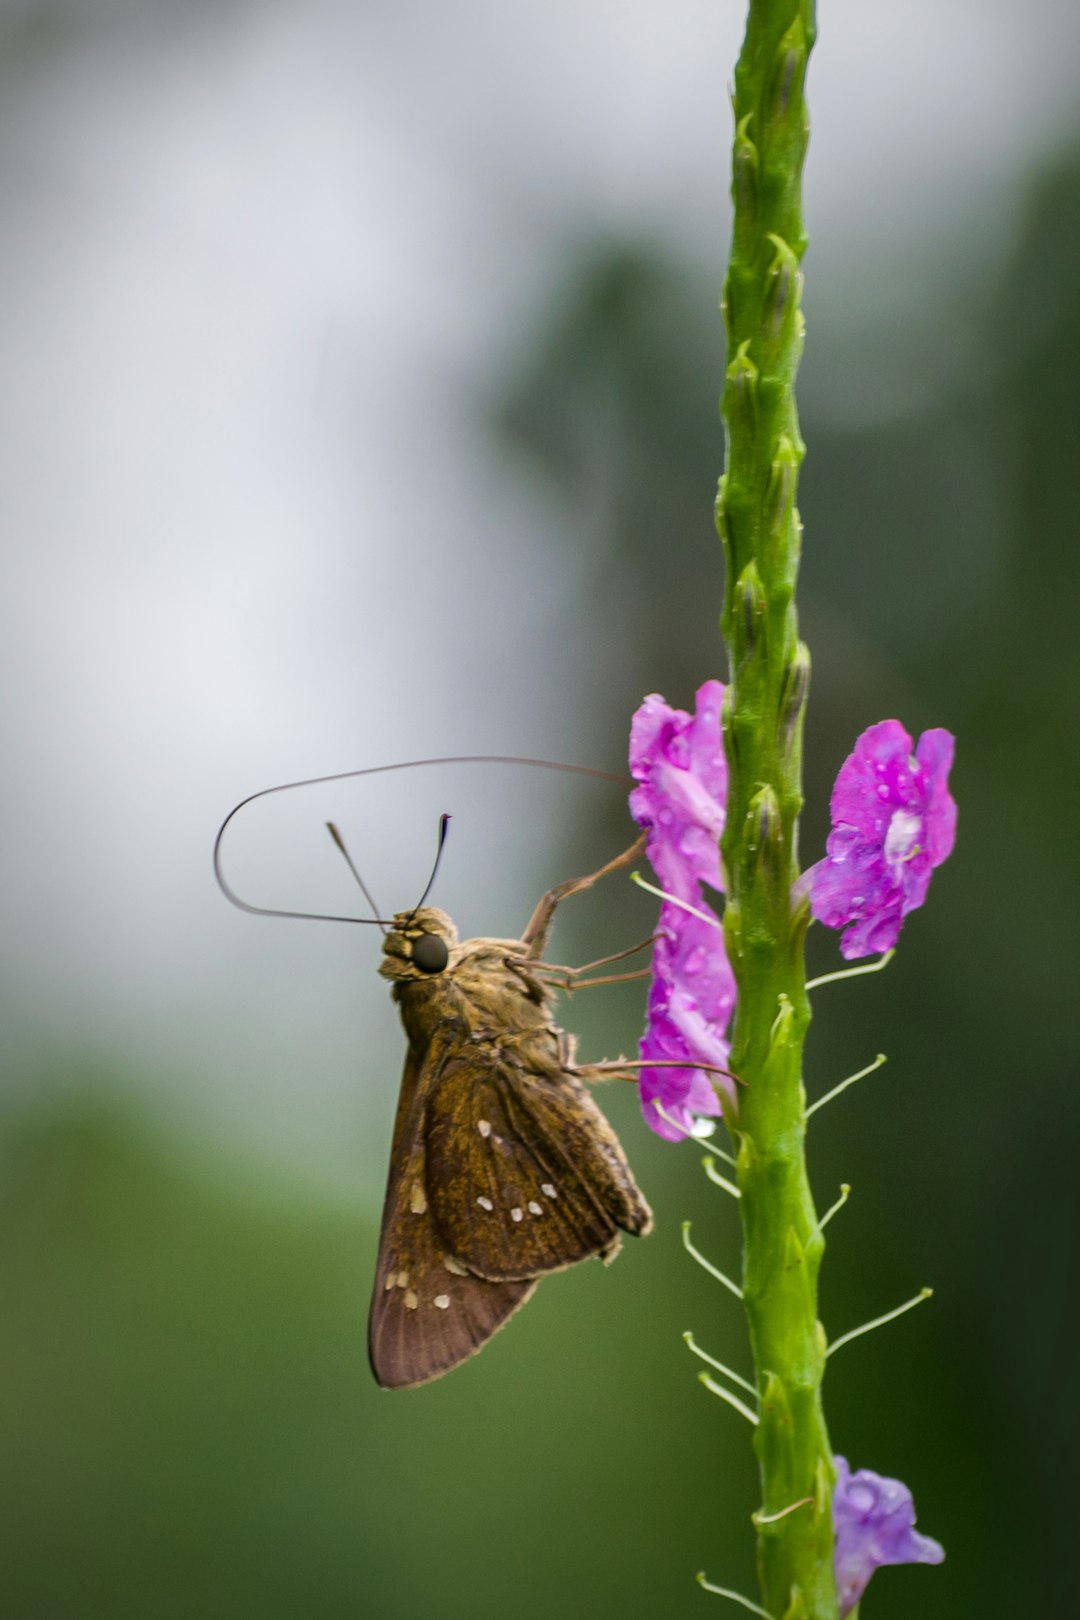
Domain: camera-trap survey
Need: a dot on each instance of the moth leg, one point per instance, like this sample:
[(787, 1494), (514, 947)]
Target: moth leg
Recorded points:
[(608, 978), (617, 1068), (601, 961), (570, 978), (536, 934), (588, 1071), (600, 1071)]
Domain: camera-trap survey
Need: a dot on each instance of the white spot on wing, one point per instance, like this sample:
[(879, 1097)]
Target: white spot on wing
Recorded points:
[(534, 1207), (442, 1301), (484, 1127), (411, 1301), (517, 1214), (485, 1203), (417, 1201), (403, 1279), (548, 1190)]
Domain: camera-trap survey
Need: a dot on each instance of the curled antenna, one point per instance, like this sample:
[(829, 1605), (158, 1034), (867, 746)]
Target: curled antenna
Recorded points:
[(444, 827), (379, 770), (275, 911)]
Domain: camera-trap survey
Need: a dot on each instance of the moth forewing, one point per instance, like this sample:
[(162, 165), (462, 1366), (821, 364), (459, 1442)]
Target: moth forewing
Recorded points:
[(428, 1313), (502, 1169)]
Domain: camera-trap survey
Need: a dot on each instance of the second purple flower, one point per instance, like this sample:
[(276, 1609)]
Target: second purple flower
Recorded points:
[(893, 821)]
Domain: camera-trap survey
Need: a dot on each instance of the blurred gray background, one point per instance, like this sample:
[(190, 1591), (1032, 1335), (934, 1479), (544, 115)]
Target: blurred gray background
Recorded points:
[(358, 398)]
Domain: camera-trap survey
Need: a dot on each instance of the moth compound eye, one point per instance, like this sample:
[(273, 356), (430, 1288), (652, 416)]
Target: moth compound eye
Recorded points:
[(430, 953)]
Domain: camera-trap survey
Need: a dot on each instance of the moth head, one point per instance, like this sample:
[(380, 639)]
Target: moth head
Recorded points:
[(419, 944)]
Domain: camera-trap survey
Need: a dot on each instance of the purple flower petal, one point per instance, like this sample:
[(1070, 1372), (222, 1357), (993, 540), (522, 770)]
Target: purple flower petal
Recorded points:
[(935, 755), (874, 1519), (893, 821), (690, 1002), (678, 761)]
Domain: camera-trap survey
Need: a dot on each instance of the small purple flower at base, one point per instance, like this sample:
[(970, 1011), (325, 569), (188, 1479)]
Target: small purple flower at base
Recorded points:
[(678, 761), (893, 821), (874, 1519)]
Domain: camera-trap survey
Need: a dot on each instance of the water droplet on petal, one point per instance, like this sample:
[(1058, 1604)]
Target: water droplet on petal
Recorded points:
[(692, 840)]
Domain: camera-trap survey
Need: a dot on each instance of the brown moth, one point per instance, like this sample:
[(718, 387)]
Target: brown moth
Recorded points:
[(502, 1167)]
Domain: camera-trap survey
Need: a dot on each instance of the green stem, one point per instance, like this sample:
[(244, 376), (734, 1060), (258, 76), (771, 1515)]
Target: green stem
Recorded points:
[(763, 714)]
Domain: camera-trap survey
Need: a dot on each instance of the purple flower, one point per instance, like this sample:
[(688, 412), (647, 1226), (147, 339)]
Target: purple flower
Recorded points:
[(893, 821), (678, 761), (874, 1520)]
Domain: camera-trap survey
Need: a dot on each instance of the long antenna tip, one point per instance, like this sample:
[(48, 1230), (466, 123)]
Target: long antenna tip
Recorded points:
[(444, 824)]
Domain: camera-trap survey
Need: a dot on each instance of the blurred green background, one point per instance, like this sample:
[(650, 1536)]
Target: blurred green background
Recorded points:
[(360, 404)]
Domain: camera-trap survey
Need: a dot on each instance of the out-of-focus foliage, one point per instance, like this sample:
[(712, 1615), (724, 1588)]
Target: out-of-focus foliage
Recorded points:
[(190, 1426)]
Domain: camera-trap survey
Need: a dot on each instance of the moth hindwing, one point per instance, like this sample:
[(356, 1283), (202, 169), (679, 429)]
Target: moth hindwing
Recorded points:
[(502, 1167)]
